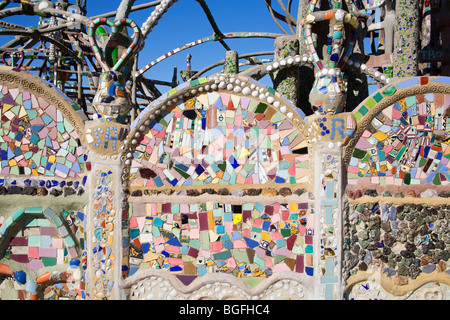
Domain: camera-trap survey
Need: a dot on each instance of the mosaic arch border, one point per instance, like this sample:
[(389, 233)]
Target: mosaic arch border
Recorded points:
[(35, 212), (388, 287), (231, 83), (11, 77), (396, 90)]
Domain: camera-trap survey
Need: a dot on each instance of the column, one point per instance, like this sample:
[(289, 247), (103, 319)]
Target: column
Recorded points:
[(286, 81), (104, 228), (231, 64), (328, 225), (406, 38)]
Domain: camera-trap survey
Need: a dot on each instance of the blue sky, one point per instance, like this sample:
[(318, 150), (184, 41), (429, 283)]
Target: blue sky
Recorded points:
[(185, 22)]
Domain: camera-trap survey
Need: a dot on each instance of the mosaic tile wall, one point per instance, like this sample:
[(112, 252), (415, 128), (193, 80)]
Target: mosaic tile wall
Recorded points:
[(406, 144), (35, 139), (403, 241), (219, 138), (249, 240), (40, 240)]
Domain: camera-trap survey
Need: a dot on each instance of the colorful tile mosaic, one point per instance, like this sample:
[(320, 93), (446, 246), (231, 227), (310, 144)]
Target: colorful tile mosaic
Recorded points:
[(328, 216), (246, 240), (103, 228), (35, 138), (219, 138), (406, 144), (39, 239)]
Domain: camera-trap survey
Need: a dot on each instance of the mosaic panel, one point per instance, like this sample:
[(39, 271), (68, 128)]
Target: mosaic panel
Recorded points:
[(406, 240), (247, 240), (406, 144), (35, 138), (219, 138), (103, 222), (38, 241)]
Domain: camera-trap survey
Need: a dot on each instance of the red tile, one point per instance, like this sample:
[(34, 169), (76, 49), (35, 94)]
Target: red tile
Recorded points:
[(423, 80)]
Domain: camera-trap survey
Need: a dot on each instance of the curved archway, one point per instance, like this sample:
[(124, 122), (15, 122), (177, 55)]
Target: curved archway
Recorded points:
[(397, 186), (222, 165), (387, 96), (34, 240), (42, 132), (210, 104)]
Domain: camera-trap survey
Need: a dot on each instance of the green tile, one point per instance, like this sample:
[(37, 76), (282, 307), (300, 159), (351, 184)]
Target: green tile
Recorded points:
[(370, 103), (34, 241), (48, 261), (57, 221), (389, 91), (378, 97), (363, 110), (194, 83), (271, 90), (33, 210), (69, 241), (18, 214)]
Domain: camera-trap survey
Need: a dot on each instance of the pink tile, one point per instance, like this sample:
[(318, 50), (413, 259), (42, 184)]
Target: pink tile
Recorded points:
[(57, 243), (35, 265), (33, 252), (48, 252)]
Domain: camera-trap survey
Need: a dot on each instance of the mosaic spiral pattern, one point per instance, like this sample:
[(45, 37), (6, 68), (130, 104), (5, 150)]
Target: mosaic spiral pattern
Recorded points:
[(35, 138), (219, 138), (248, 240), (406, 144)]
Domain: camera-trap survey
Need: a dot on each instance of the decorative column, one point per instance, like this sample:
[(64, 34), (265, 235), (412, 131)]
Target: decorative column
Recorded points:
[(286, 81), (231, 64), (104, 228), (107, 226), (329, 135), (328, 222), (406, 38)]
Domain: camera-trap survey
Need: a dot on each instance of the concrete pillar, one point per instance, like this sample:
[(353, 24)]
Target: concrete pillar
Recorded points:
[(104, 229), (406, 38), (231, 62), (286, 81), (328, 189)]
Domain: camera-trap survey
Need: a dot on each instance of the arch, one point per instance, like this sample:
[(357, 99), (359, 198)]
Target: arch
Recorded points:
[(57, 220), (399, 159), (401, 135), (255, 235), (42, 129), (214, 95), (47, 242), (395, 90)]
